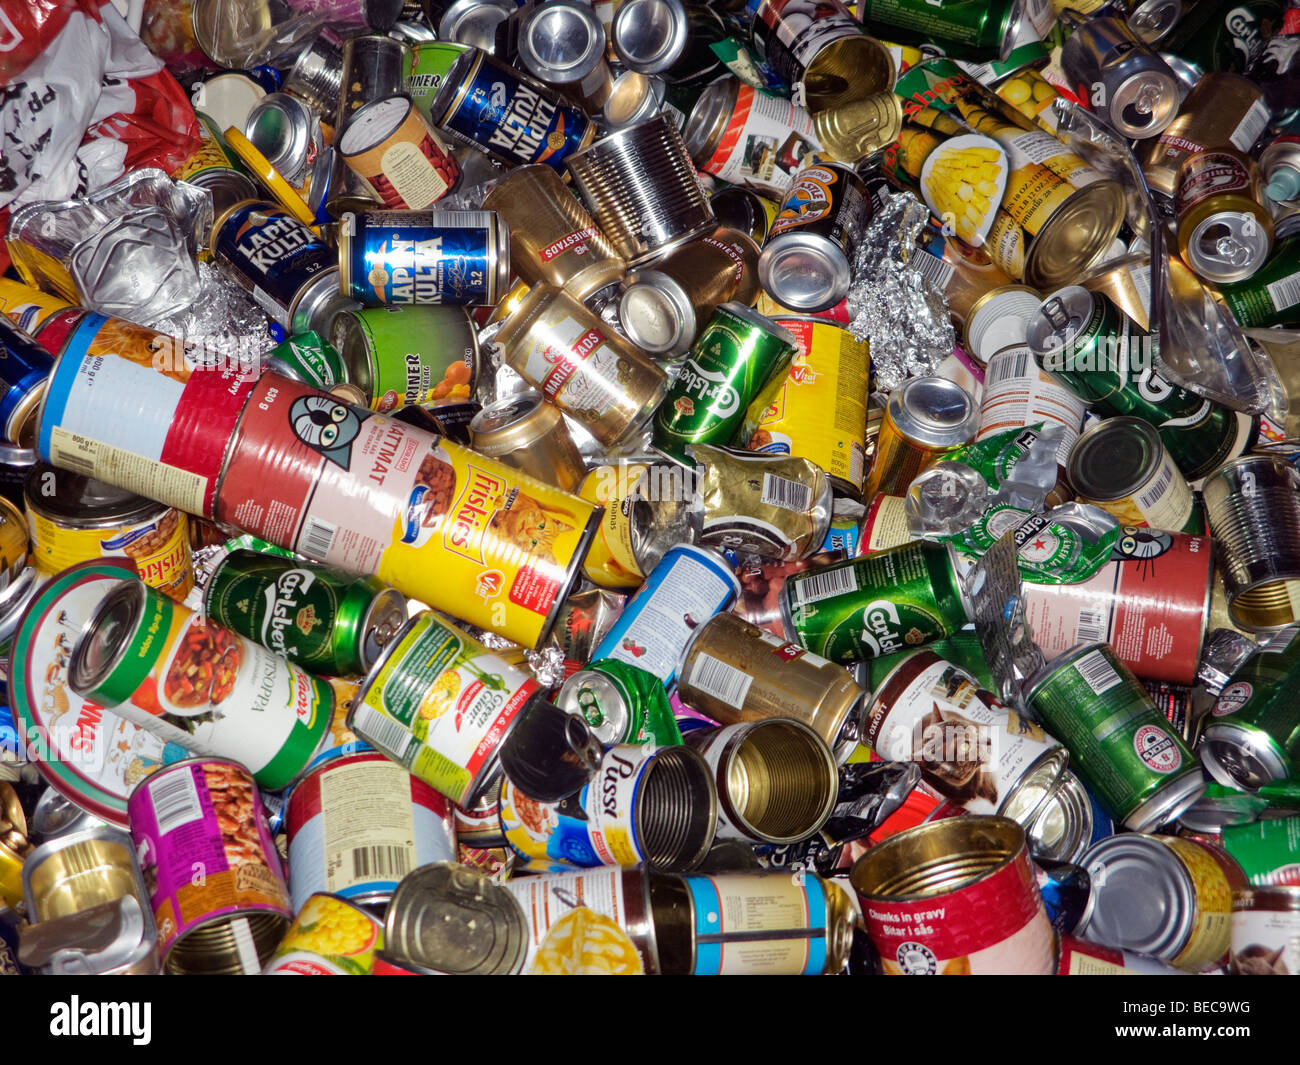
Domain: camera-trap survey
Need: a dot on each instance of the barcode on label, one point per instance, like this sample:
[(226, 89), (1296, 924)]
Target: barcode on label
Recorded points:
[(720, 680), (385, 863), (175, 801), (1141, 276), (1091, 625), (933, 269), (1250, 127), (784, 493), (1285, 293), (388, 735), (76, 461), (317, 538), (1006, 366), (1151, 496), (1099, 673), (825, 585)]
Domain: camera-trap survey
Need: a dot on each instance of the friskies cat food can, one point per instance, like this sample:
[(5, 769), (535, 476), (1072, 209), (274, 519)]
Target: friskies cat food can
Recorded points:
[(366, 494)]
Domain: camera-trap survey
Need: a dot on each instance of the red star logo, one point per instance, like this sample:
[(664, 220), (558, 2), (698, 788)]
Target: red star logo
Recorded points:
[(1040, 545)]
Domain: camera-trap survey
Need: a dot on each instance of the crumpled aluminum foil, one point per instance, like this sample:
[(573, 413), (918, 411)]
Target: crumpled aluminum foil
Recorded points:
[(897, 311), (221, 327)]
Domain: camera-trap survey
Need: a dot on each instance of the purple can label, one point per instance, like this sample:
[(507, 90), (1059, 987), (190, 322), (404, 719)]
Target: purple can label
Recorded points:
[(205, 851)]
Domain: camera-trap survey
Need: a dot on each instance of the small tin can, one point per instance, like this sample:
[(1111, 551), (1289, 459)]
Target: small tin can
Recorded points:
[(526, 432), (422, 355), (688, 586), (1225, 233), (309, 358), (389, 258), (926, 418), (72, 518), (727, 383), (290, 272), (357, 823), (732, 671), (867, 607), (1265, 934), (1121, 466), (1252, 736), (198, 685), (371, 71), (581, 365), (645, 804), (1139, 93), (807, 258), (955, 897), (330, 936), (563, 43), (316, 76), (324, 621), (1140, 770), (487, 105), (999, 319), (1165, 896), (25, 369), (776, 779), (390, 146), (551, 237), (208, 811)]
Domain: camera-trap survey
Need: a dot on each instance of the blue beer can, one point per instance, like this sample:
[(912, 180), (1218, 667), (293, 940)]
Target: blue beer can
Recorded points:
[(24, 370)]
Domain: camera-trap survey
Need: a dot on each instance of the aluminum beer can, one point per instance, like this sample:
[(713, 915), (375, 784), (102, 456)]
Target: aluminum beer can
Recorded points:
[(925, 418), (1141, 94), (1225, 233), (25, 369), (309, 358), (526, 432)]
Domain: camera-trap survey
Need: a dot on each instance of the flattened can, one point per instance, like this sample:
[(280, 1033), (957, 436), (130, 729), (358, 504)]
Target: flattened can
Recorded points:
[(25, 367), (820, 412), (357, 823), (200, 686), (1265, 935), (974, 872), (387, 258), (1120, 745), (884, 603), (309, 358), (330, 936), (207, 814)]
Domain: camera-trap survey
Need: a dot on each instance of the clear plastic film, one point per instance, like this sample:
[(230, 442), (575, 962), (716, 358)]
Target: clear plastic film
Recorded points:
[(998, 610)]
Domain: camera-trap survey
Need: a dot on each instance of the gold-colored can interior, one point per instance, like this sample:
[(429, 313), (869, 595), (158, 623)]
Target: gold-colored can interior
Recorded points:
[(937, 858), (846, 70), (85, 874), (781, 782)]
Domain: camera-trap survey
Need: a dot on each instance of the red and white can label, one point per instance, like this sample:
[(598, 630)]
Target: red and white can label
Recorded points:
[(1157, 749), (765, 139), (1232, 698)]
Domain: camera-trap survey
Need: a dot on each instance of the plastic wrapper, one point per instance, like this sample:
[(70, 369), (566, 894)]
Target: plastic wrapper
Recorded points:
[(761, 584), (998, 609)]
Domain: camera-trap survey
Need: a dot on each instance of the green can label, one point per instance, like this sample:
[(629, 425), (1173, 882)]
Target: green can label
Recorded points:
[(424, 67), (408, 355), (1261, 696), (1267, 851)]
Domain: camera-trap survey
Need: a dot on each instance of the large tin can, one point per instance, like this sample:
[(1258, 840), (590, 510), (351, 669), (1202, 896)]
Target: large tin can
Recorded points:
[(330, 936), (369, 495), (925, 418), (733, 671), (1120, 745), (395, 152), (389, 258), (956, 897), (1121, 466), (72, 518), (820, 412), (324, 621), (1225, 232), (1265, 936), (25, 368), (198, 685), (867, 607), (487, 105), (357, 823), (1150, 602), (206, 814)]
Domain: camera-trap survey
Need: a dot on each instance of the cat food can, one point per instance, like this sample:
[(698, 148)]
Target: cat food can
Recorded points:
[(137, 417), (198, 685), (688, 586), (72, 518), (369, 495), (391, 258), (956, 897), (1150, 601), (1265, 933), (331, 936), (24, 368), (204, 816), (358, 822), (1078, 957), (395, 152)]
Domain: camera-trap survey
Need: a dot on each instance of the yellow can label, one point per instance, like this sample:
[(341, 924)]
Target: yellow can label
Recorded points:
[(1213, 931), (611, 562), (160, 548), (820, 413), (27, 306)]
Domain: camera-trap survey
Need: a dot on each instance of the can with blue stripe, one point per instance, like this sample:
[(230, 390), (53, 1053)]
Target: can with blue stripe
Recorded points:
[(487, 105), (768, 924), (688, 586), (24, 372), (391, 258)]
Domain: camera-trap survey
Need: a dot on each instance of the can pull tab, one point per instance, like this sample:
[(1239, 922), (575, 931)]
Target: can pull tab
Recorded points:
[(583, 743), (1055, 312), (1220, 243)]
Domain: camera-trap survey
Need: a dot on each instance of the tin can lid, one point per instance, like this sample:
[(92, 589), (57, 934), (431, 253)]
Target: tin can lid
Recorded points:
[(1242, 757), (709, 117), (561, 42), (107, 636), (934, 412), (228, 98), (1142, 896), (804, 271), (1076, 235), (279, 126), (474, 22), (373, 123), (633, 98), (384, 618), (1114, 458), (1167, 803), (650, 35), (87, 502), (1145, 102), (656, 313)]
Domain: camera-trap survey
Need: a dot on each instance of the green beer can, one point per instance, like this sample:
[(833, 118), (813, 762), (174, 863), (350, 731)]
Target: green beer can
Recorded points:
[(889, 601), (1267, 851), (318, 618), (726, 383), (308, 358), (984, 29), (1120, 745), (621, 704), (1252, 736), (1086, 340)]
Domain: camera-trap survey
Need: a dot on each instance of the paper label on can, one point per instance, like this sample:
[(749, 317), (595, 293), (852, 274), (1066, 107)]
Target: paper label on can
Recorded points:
[(1265, 942), (1017, 393), (159, 548), (763, 143), (1212, 933), (770, 925), (548, 837), (610, 802), (572, 366), (577, 925), (1157, 749)]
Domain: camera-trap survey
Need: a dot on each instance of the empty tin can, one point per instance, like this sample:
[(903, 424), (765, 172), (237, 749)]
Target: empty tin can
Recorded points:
[(371, 71), (317, 73), (563, 43), (1121, 466)]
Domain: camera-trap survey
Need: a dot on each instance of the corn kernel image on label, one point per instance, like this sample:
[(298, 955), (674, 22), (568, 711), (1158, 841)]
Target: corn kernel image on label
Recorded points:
[(329, 937), (963, 182)]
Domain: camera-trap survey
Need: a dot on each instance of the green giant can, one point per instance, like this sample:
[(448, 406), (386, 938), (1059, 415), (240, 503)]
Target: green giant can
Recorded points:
[(323, 620), (889, 601), (1252, 736), (1120, 745), (727, 382), (1084, 339)]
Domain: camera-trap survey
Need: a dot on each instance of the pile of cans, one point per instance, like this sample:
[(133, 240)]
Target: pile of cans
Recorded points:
[(569, 588)]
